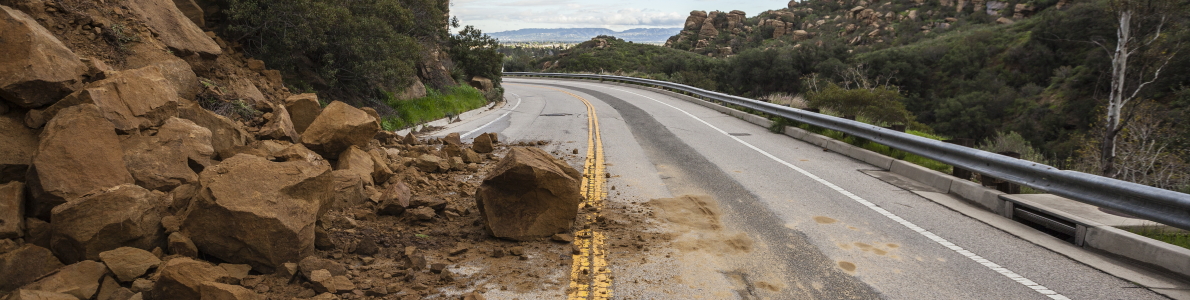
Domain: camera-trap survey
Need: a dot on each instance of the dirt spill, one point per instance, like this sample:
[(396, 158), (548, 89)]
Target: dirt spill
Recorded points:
[(697, 218), (824, 220), (847, 266)]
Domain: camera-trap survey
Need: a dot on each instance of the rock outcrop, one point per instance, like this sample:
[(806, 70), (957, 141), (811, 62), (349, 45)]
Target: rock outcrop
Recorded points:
[(529, 194), (37, 68), (275, 205)]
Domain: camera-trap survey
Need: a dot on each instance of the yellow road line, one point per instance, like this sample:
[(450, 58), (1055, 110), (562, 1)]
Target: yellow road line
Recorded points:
[(590, 276)]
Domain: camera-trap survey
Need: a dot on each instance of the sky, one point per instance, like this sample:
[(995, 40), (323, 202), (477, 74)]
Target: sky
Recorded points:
[(504, 15)]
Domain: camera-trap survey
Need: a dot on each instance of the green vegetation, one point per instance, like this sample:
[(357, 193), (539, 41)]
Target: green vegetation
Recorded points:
[(435, 105), (1172, 236)]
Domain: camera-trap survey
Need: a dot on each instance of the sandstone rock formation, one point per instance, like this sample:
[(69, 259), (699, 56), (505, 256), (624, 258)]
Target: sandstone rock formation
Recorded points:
[(38, 68), (173, 28), (274, 204), (303, 109), (529, 194), (339, 126)]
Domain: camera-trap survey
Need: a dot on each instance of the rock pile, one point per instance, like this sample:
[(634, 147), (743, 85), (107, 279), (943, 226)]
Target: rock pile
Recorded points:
[(121, 174)]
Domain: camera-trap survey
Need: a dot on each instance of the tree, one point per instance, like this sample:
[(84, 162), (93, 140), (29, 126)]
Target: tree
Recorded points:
[(1137, 59)]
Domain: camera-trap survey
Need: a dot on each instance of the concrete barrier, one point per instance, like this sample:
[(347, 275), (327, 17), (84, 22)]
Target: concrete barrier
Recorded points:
[(975, 192), (1152, 252), (924, 175)]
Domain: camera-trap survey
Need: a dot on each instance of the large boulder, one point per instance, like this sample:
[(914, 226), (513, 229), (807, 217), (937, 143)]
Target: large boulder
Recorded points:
[(273, 204), (182, 278), (303, 109), (529, 194), (175, 70), (24, 265), (12, 210), (279, 126), (483, 143), (38, 68), (17, 145), (225, 133), (123, 216), (192, 11), (173, 29), (131, 100), (357, 162), (79, 153), (171, 158), (80, 280), (339, 126)]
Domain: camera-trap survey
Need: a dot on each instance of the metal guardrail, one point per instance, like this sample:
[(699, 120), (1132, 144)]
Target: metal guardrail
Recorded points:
[(1155, 204)]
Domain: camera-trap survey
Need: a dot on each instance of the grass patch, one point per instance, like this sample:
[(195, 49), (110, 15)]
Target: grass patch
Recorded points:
[(435, 105), (1173, 237)]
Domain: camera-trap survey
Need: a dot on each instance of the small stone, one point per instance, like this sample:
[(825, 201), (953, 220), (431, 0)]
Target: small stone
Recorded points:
[(141, 285), (237, 271), (261, 288), (574, 152), (518, 251), (367, 246), (322, 240), (457, 251), (129, 263), (251, 280), (417, 261), (498, 253), (343, 284), (288, 270), (377, 291), (181, 245), (562, 237), (423, 213), (322, 281), (437, 268), (309, 264), (474, 296)]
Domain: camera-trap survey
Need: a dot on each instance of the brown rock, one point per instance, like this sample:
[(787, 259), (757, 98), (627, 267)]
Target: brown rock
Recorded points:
[(237, 271), (175, 70), (37, 232), (110, 289), (24, 265), (310, 264), (430, 164), (275, 205), (131, 99), (410, 139), (298, 152), (12, 210), (338, 127), (562, 237), (481, 83), (182, 278), (396, 198), (367, 246), (225, 134), (80, 280), (415, 90), (192, 11), (322, 240), (171, 158), (483, 143), (469, 156), (322, 281), (422, 213), (62, 170), (453, 139), (179, 244), (279, 126), (357, 162), (437, 203), (23, 294), (477, 295), (529, 194), (38, 68), (695, 20), (129, 263), (17, 145), (219, 291), (173, 28), (303, 109), (338, 189), (131, 217)]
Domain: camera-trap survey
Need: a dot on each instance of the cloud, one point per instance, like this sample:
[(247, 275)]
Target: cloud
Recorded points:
[(580, 16)]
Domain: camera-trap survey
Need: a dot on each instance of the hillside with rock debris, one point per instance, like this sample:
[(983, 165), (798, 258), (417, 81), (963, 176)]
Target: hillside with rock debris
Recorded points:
[(142, 157)]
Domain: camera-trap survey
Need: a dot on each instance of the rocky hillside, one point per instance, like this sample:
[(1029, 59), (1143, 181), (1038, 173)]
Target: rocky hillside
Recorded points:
[(875, 24), (143, 158)]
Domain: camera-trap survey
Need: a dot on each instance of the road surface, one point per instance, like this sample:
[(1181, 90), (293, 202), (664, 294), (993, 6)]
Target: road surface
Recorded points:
[(706, 206)]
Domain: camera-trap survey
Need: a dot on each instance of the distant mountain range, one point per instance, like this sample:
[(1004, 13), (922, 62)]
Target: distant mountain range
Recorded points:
[(639, 35)]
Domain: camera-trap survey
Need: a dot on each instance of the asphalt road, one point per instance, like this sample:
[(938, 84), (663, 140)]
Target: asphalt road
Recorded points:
[(783, 219)]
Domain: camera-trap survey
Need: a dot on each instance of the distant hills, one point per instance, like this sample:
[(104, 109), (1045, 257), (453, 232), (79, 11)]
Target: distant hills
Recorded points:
[(639, 35)]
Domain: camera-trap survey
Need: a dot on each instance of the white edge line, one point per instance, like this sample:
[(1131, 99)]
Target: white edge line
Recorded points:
[(933, 237), (518, 103)]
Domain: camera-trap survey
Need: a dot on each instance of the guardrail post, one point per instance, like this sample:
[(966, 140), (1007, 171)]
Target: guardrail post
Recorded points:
[(960, 172)]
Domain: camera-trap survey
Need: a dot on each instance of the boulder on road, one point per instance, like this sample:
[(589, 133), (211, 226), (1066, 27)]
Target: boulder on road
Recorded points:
[(129, 263), (17, 145), (483, 143), (303, 109), (274, 205), (338, 127), (80, 280), (182, 278), (453, 139), (79, 153), (24, 265), (38, 68), (12, 210), (529, 194), (171, 158), (123, 216)]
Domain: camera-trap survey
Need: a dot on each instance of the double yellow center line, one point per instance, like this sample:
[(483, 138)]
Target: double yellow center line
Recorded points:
[(590, 278)]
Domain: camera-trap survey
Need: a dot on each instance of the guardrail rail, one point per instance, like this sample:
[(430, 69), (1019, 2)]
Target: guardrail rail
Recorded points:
[(1154, 204)]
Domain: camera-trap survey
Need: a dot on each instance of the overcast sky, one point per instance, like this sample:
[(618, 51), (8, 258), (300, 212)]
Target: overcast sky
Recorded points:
[(504, 15)]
